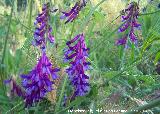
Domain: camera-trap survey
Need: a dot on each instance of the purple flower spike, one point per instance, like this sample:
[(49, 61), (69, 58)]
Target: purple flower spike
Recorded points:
[(38, 82), (43, 29), (73, 13), (130, 22), (15, 88), (77, 53)]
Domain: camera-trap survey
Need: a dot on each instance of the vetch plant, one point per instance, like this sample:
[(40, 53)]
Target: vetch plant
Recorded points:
[(77, 54), (130, 23), (38, 82), (43, 30), (44, 88), (73, 13)]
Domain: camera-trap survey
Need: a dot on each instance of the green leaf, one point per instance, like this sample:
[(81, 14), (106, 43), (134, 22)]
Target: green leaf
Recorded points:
[(157, 58), (148, 80), (149, 41)]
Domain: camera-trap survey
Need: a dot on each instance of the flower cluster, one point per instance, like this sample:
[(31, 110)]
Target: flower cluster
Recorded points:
[(73, 13), (130, 21), (77, 53), (41, 79), (38, 82), (43, 29)]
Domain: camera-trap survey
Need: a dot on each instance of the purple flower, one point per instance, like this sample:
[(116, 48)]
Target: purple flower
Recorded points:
[(38, 82), (121, 41), (77, 53), (130, 22), (43, 29), (15, 88), (73, 13)]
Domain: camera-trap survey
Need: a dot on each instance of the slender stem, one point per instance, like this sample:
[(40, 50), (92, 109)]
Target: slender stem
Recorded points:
[(61, 95), (6, 38), (114, 19), (149, 13), (5, 47), (150, 105), (30, 13)]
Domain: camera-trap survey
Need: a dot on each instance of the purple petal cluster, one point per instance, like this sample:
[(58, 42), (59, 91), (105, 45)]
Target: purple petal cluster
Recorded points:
[(38, 82), (73, 13), (130, 22), (43, 29), (121, 41), (15, 88), (76, 54)]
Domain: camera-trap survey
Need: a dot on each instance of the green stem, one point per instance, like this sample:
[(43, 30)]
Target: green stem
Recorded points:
[(30, 13), (149, 13), (5, 45), (6, 38), (139, 109), (61, 95), (114, 19)]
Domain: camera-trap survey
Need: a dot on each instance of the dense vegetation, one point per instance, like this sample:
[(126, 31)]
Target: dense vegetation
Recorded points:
[(58, 56)]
